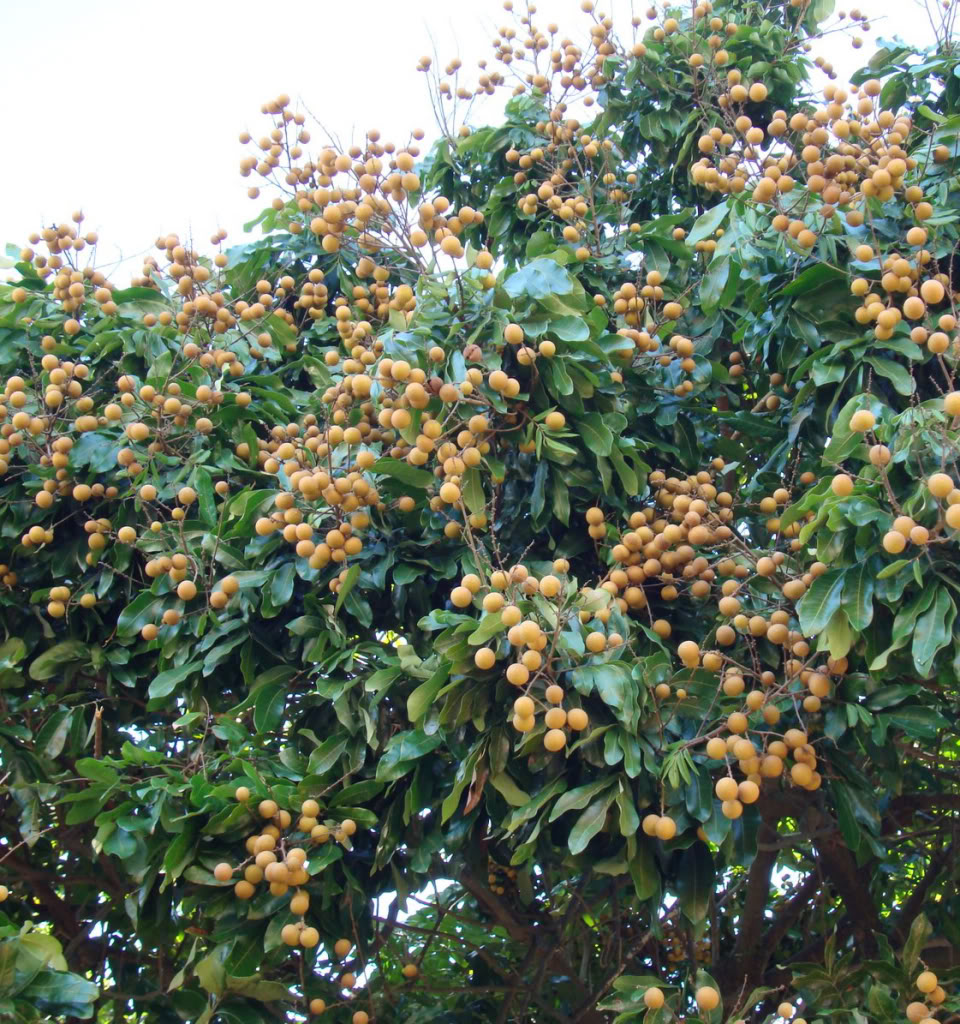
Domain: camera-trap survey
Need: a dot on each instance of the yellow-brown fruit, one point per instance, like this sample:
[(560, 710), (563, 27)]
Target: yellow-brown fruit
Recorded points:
[(666, 827), (410, 970), (926, 981), (484, 658), (708, 998), (940, 485), (223, 872), (653, 998), (554, 740), (595, 642), (862, 421), (842, 485), (577, 719)]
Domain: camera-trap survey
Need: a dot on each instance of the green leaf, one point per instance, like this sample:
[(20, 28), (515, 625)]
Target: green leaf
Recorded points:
[(629, 818), (695, 879), (349, 581), (933, 631), (595, 433), (539, 279), (922, 723), (920, 932), (268, 707), (419, 702), (579, 797), (894, 372), (509, 790), (404, 472), (569, 328), (490, 625), (205, 500), (590, 822), (472, 489), (816, 607), (166, 682), (211, 974), (707, 223), (53, 660), (281, 585), (858, 587), (96, 771), (713, 282)]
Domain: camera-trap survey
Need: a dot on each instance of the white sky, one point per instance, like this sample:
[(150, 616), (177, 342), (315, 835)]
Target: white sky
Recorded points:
[(133, 112)]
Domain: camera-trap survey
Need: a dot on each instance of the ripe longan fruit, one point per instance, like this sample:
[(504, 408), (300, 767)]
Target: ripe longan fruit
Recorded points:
[(862, 421), (708, 998), (577, 719), (595, 642), (842, 485), (926, 981), (940, 485), (666, 827), (554, 740), (223, 872), (653, 998)]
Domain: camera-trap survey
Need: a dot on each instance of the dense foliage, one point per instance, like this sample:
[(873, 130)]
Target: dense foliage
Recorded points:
[(520, 583)]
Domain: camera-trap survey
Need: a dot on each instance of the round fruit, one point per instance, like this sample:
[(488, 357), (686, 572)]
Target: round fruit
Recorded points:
[(577, 719), (653, 998), (554, 740), (341, 947), (666, 827), (708, 998), (223, 872), (862, 420), (926, 981), (842, 485), (940, 485)]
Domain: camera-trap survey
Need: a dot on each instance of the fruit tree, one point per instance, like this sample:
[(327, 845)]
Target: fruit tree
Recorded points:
[(520, 580)]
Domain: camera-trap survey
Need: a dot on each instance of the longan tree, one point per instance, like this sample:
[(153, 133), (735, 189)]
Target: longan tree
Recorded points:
[(520, 583)]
